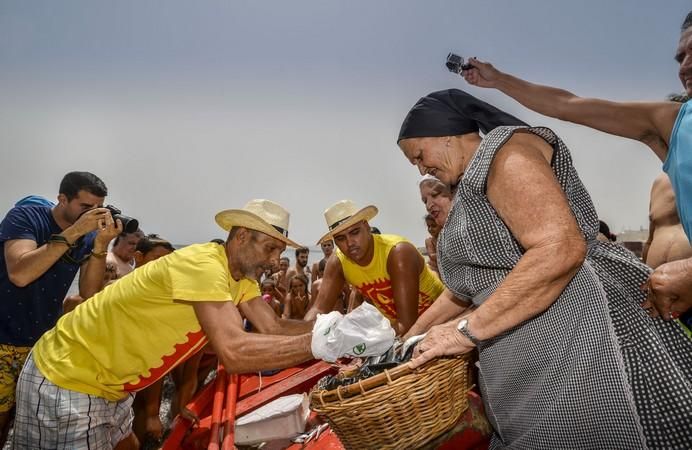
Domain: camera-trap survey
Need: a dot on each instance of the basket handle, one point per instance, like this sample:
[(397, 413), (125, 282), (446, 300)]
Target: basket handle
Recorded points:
[(321, 393)]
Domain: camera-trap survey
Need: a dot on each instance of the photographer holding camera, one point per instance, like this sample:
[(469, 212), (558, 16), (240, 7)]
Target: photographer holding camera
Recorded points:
[(42, 249)]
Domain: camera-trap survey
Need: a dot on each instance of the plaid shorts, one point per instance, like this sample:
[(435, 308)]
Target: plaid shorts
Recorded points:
[(50, 417), (11, 361)]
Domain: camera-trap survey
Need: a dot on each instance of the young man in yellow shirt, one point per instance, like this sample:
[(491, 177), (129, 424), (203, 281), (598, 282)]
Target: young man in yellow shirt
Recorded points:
[(386, 269), (136, 330)]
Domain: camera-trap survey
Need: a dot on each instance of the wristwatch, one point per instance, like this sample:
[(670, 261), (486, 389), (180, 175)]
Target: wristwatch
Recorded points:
[(462, 327)]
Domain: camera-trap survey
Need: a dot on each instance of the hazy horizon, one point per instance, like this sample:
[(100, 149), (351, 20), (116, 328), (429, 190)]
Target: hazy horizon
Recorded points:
[(185, 109)]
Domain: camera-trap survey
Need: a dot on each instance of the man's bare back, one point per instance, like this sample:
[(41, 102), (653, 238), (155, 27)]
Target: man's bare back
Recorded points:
[(667, 240)]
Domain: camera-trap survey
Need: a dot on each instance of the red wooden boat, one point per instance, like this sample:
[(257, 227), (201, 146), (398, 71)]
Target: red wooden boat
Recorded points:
[(220, 402)]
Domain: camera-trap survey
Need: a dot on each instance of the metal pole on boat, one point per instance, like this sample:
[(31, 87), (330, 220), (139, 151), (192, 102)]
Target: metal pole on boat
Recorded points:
[(231, 401), (217, 408)]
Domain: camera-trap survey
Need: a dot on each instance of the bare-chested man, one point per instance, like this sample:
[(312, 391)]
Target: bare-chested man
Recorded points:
[(667, 240), (280, 277), (327, 249), (318, 273), (301, 266)]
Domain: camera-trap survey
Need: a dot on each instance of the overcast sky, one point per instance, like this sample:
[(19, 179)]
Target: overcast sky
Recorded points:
[(186, 108)]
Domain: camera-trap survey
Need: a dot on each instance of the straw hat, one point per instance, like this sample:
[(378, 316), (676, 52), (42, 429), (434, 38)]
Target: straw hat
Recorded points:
[(261, 215), (344, 214)]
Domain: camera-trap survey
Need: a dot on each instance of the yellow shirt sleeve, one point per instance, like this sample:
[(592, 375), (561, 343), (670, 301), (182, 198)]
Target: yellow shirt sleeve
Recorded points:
[(247, 290), (204, 278)]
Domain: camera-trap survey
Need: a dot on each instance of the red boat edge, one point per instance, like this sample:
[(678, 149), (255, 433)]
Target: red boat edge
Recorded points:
[(472, 431)]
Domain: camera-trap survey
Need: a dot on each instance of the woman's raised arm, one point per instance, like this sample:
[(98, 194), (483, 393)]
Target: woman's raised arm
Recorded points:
[(648, 122)]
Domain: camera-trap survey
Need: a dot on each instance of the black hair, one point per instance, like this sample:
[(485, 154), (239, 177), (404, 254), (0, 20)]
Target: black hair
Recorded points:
[(687, 22), (125, 234), (375, 230), (151, 241), (301, 250), (322, 264), (605, 229), (285, 258), (74, 182), (218, 241)]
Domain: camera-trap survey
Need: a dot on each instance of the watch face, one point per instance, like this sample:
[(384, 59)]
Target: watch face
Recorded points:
[(461, 327), (462, 324)]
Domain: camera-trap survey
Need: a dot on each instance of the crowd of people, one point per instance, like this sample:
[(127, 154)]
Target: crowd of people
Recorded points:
[(579, 342), (204, 302)]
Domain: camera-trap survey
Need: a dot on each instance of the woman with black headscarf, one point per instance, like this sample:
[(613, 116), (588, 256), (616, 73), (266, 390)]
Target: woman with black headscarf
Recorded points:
[(568, 358)]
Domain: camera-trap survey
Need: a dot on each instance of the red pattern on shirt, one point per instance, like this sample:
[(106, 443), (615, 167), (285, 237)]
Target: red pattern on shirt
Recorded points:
[(381, 294), (181, 353)]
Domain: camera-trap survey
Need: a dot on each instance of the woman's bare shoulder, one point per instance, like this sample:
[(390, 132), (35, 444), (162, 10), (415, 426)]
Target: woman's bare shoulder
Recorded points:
[(525, 144)]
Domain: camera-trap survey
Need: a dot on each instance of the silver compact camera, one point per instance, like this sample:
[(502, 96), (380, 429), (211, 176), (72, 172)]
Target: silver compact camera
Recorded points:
[(455, 63)]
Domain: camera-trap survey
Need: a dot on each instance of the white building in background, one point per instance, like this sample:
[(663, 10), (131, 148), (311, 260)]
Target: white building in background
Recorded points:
[(640, 235), (634, 240)]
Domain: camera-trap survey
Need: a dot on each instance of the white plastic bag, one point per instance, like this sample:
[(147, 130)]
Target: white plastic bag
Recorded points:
[(324, 345), (362, 332)]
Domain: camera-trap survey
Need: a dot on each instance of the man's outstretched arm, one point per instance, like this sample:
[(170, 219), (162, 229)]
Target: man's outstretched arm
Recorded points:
[(263, 317), (242, 352)]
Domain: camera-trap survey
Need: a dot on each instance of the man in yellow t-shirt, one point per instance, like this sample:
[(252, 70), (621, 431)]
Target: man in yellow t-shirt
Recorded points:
[(385, 269), (77, 386)]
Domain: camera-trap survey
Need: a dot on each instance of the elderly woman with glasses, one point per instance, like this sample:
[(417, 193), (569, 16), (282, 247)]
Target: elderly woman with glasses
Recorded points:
[(568, 357)]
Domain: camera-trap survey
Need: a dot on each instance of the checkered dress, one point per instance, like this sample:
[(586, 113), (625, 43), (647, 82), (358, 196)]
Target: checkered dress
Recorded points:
[(593, 371)]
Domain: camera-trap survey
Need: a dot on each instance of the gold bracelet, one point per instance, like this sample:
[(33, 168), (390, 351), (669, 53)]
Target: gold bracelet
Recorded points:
[(99, 254)]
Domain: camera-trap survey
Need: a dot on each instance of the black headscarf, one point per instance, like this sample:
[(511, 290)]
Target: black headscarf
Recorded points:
[(450, 113)]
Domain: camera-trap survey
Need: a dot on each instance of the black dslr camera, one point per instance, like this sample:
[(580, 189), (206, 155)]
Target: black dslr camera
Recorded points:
[(130, 225), (455, 63)]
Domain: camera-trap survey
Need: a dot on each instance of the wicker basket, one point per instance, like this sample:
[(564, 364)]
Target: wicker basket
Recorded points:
[(399, 408)]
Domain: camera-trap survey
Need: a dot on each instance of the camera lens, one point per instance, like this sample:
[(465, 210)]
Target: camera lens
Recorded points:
[(130, 225)]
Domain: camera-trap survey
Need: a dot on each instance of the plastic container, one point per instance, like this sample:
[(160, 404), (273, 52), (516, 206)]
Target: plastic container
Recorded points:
[(284, 418)]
